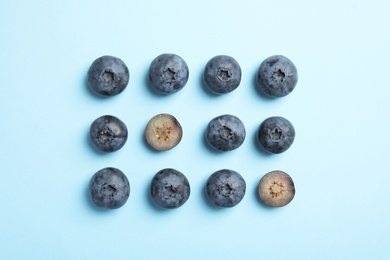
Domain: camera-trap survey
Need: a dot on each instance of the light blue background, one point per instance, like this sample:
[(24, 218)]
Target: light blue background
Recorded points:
[(340, 110)]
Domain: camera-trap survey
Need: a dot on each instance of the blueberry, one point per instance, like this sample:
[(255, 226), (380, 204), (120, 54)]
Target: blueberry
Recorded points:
[(109, 188), (277, 76), (108, 133), (225, 133), (275, 134), (222, 74), (168, 73), (108, 75), (163, 132), (276, 189), (170, 188), (225, 188)]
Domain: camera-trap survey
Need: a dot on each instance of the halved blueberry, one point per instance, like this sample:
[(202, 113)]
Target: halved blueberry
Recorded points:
[(276, 189), (163, 132)]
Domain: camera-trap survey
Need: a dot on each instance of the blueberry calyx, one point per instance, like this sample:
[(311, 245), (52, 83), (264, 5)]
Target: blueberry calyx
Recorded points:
[(169, 75), (224, 74)]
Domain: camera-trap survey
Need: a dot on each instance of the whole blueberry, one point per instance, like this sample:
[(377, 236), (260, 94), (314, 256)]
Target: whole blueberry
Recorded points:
[(277, 76), (108, 133), (222, 74), (225, 133), (170, 188), (108, 75), (276, 134), (225, 188), (168, 73), (109, 188)]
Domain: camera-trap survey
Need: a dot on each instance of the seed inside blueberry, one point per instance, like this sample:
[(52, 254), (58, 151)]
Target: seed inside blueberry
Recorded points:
[(277, 76), (225, 133), (276, 189), (168, 73), (108, 76), (109, 188), (163, 132), (276, 134), (170, 188), (225, 188), (222, 74), (108, 133)]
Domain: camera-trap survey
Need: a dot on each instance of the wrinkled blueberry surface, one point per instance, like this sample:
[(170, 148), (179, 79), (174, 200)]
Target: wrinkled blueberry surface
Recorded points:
[(109, 188)]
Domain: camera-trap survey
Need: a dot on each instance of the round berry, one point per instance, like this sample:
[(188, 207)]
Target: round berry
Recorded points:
[(109, 188), (108, 75), (108, 133), (277, 76)]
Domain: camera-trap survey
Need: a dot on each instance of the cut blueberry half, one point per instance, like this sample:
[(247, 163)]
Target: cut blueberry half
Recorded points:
[(225, 188), (170, 188), (108, 133), (277, 76), (225, 133), (108, 75), (222, 74), (275, 134), (109, 188), (168, 73), (276, 189), (163, 132)]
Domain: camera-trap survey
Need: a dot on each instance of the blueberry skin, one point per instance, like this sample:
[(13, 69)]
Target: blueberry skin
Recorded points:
[(225, 188), (225, 133), (108, 133), (222, 74), (277, 76), (109, 188), (275, 134), (168, 73), (108, 75), (170, 188)]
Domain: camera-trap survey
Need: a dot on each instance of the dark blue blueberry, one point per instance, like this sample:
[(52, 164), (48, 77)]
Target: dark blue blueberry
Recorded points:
[(170, 188), (168, 73), (108, 133), (277, 76), (109, 188), (225, 133), (225, 188), (222, 74), (108, 75), (276, 134)]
